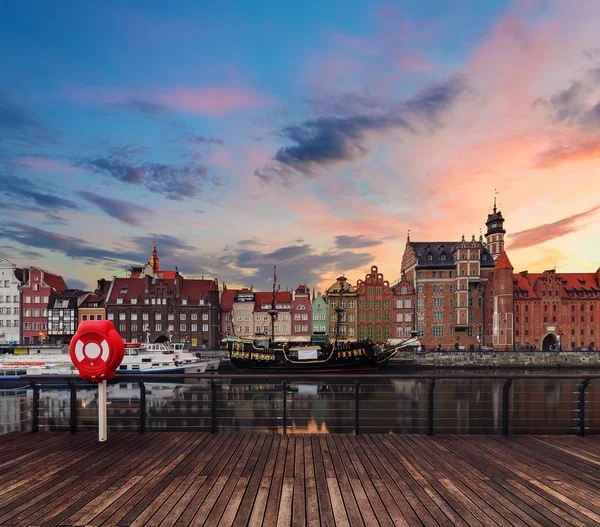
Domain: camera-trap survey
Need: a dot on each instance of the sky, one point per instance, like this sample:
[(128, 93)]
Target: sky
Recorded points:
[(311, 135)]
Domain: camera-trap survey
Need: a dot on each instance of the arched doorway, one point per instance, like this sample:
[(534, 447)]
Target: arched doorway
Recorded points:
[(161, 339), (549, 340)]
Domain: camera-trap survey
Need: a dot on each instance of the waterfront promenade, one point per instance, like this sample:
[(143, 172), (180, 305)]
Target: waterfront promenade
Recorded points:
[(60, 479)]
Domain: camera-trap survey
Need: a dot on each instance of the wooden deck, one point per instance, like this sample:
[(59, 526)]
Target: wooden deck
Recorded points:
[(174, 479)]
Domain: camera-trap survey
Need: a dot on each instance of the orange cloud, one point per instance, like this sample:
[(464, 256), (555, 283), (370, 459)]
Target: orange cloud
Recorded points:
[(562, 154)]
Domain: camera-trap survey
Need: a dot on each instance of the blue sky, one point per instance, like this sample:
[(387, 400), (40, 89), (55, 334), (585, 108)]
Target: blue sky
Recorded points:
[(242, 135)]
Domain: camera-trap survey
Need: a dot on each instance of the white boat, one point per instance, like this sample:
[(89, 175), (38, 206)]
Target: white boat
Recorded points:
[(139, 358)]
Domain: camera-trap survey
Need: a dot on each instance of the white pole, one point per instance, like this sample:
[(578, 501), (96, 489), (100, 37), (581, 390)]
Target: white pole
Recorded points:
[(102, 425)]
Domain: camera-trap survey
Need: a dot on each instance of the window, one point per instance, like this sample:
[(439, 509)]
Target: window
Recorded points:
[(26, 325), (84, 317), (16, 298), (26, 312), (304, 317), (121, 316), (420, 289), (182, 316), (399, 317), (36, 300), (407, 317), (378, 290), (158, 327), (122, 327), (92, 317), (134, 327), (194, 327), (438, 331), (408, 303), (378, 304), (36, 287), (110, 316), (438, 316), (184, 302), (398, 304), (351, 304), (27, 300), (420, 274), (171, 316), (119, 300), (296, 328), (304, 328), (421, 302), (438, 302)]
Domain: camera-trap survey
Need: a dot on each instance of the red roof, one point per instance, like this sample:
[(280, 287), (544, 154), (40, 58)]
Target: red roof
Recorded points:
[(572, 284), (503, 262), (55, 282), (192, 290), (227, 299), (264, 298)]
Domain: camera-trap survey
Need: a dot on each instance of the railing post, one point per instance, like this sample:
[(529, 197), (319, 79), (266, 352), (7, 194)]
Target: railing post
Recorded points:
[(430, 407), (35, 409), (356, 408), (213, 406), (505, 410), (142, 406), (284, 389), (73, 401), (581, 406)]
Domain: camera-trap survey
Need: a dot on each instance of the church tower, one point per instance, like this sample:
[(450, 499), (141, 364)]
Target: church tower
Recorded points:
[(494, 236), (154, 260)]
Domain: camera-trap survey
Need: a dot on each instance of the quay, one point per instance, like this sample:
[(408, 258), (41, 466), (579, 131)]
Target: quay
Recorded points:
[(190, 478)]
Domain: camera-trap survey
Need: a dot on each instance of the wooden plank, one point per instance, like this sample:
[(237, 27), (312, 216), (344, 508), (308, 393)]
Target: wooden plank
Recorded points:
[(325, 508), (271, 511)]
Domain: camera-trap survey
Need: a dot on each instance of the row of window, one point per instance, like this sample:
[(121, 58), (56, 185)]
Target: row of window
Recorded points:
[(14, 298), (344, 331), (301, 328), (36, 300), (9, 323), (157, 301), (322, 328), (320, 316), (36, 326), (158, 327), (91, 317), (374, 316), (343, 303), (299, 317), (266, 329), (374, 333), (157, 316), (7, 311), (403, 331)]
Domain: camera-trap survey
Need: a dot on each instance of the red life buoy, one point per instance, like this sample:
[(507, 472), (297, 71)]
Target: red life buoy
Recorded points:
[(96, 350)]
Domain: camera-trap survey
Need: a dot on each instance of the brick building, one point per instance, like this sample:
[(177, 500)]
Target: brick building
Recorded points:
[(449, 279), (301, 319), (348, 301), (547, 309), (374, 311), (36, 287), (159, 310), (403, 308)]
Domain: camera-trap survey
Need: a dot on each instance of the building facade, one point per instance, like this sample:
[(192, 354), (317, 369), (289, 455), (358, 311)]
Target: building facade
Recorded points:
[(93, 306), (63, 321), (262, 320), (342, 294), (10, 304), (547, 310), (320, 318), (450, 279), (162, 310), (301, 313), (374, 310), (36, 287), (403, 308)]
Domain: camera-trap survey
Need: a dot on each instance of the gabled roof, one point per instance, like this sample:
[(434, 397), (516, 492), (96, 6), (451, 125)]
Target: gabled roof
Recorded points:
[(227, 299), (193, 290), (572, 284), (503, 262)]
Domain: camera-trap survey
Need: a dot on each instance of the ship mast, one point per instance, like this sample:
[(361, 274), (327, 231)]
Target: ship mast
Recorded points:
[(340, 311), (273, 312)]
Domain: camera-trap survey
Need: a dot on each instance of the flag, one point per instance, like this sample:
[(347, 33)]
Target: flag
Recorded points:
[(274, 274)]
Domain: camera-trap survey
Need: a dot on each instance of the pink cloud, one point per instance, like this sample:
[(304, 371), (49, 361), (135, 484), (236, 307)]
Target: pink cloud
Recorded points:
[(212, 100), (45, 164), (415, 62)]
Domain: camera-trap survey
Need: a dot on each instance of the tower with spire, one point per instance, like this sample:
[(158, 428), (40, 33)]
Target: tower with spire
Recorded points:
[(154, 260), (494, 237)]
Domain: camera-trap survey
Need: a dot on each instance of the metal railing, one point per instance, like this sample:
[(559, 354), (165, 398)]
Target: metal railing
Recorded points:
[(420, 403)]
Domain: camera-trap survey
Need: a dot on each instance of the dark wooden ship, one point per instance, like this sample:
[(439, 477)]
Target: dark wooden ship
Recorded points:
[(263, 353)]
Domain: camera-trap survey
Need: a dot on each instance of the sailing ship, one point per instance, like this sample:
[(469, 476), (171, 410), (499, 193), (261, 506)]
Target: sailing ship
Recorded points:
[(265, 354)]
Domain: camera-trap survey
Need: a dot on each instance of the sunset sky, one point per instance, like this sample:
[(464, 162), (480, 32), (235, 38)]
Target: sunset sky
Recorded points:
[(309, 135)]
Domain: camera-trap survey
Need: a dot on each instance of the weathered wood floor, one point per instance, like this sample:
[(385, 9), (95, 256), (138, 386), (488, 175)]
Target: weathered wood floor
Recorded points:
[(240, 479)]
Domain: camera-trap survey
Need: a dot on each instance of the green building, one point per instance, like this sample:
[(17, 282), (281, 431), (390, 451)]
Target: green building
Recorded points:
[(320, 322)]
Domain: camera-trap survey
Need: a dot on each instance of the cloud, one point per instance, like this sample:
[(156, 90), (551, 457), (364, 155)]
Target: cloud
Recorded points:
[(124, 211), (562, 154), (175, 182), (200, 139), (211, 100), (295, 264), (24, 189), (76, 283), (21, 125), (324, 141), (550, 231), (577, 104), (71, 246), (355, 242), (144, 107)]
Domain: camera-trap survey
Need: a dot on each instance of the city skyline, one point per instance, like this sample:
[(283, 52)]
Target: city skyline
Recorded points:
[(311, 137)]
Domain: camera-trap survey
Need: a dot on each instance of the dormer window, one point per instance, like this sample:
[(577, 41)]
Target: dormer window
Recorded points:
[(123, 290), (430, 257), (443, 257), (134, 300), (184, 301), (484, 257)]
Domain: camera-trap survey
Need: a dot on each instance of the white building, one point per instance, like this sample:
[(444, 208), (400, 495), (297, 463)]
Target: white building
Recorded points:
[(10, 309)]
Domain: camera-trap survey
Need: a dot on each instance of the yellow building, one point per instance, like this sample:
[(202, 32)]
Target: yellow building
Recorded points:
[(342, 294), (93, 307)]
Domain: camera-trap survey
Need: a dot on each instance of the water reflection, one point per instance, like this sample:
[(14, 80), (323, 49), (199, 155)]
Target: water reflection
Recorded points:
[(463, 406)]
